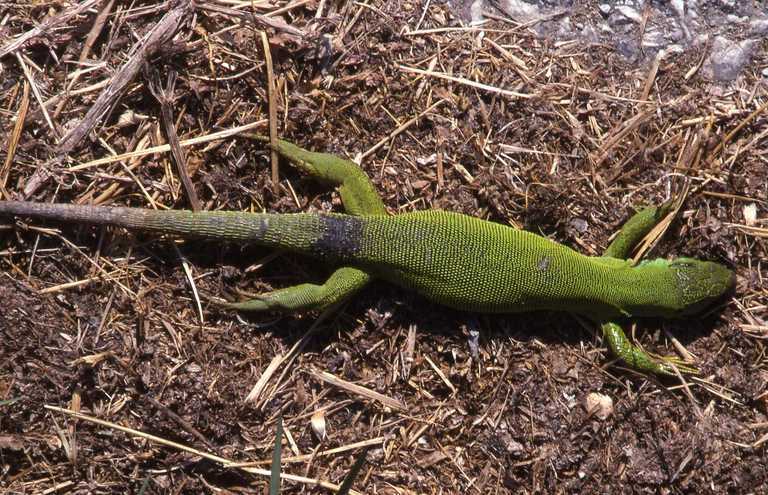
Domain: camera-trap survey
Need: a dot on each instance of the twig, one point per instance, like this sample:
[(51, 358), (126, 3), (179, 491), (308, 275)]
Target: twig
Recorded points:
[(322, 453), (46, 26), (90, 40), (273, 156), (13, 142), (400, 129), (359, 390), (181, 421), (151, 43), (738, 128), (467, 82), (37, 94), (165, 98), (165, 147), (261, 20)]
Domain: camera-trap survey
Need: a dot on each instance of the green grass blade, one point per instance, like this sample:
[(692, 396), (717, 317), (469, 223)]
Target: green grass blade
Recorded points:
[(346, 486), (274, 479)]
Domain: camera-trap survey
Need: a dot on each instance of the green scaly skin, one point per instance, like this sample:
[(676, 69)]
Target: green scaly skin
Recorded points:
[(453, 259)]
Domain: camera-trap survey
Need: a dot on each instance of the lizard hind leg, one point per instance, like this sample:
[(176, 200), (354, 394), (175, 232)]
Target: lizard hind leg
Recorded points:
[(633, 231), (357, 191), (342, 283), (359, 197)]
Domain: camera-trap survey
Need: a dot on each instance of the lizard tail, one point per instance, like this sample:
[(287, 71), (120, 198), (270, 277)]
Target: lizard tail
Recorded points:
[(326, 235)]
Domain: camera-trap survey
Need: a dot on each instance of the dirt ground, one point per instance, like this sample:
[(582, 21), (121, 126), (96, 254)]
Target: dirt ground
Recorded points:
[(564, 139)]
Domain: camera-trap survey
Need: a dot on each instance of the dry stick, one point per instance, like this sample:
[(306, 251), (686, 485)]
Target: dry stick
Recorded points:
[(181, 421), (621, 132), (359, 390), (592, 93), (407, 354), (117, 187), (168, 443), (96, 29), (738, 128), (748, 230), (654, 235), (165, 147), (291, 355), (37, 94), (105, 275), (46, 26), (165, 98), (321, 453), (468, 82), (440, 373), (651, 74), (288, 7), (90, 40), (273, 156), (13, 142), (77, 283), (160, 35), (152, 42), (276, 24), (261, 383)]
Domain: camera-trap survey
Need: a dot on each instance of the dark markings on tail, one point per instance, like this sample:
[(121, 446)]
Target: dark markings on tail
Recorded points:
[(340, 237)]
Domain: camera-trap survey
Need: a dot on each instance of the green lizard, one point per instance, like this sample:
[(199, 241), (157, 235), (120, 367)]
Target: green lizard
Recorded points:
[(453, 259)]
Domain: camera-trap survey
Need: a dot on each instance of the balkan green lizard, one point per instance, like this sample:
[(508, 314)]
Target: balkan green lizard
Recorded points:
[(453, 259)]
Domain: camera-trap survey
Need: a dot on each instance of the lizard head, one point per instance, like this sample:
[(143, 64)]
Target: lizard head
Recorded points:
[(700, 283)]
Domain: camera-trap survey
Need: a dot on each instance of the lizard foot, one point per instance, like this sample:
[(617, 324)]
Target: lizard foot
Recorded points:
[(639, 360), (672, 365)]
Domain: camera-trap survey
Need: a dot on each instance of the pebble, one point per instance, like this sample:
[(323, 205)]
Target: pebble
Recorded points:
[(598, 404), (727, 58)]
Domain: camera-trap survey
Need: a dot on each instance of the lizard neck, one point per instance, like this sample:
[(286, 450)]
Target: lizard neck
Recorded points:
[(646, 290)]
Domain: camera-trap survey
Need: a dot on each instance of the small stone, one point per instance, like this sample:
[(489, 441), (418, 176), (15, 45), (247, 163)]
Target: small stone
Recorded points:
[(599, 405), (728, 58), (605, 8), (630, 13), (758, 26), (523, 10), (765, 72), (318, 424), (679, 7), (579, 225), (511, 445), (750, 212), (193, 368)]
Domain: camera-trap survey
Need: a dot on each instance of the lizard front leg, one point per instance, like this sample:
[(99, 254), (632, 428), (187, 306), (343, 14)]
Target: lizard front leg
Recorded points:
[(636, 358), (634, 230)]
